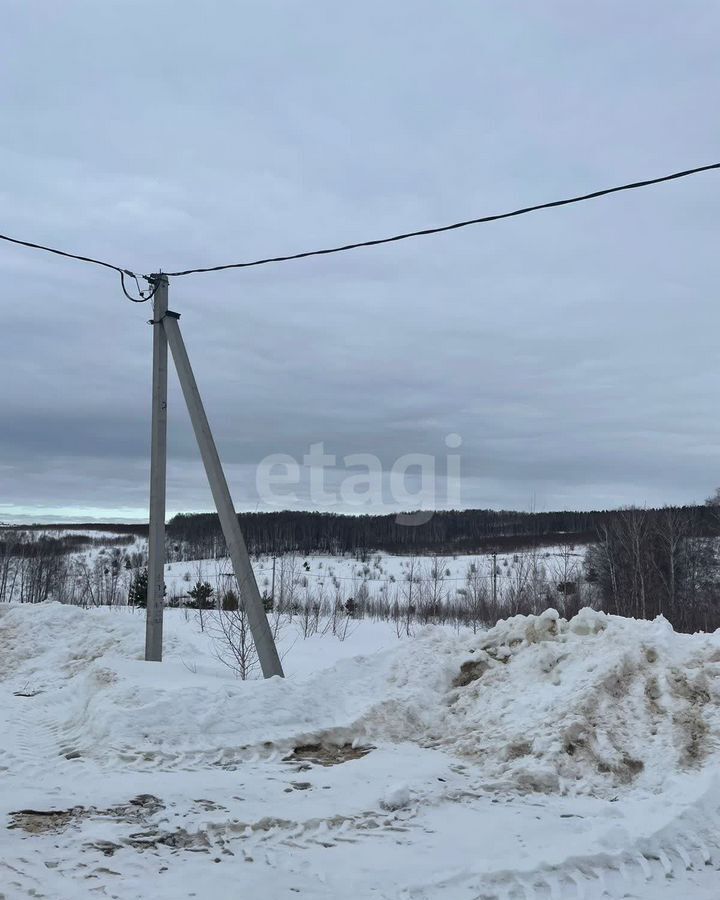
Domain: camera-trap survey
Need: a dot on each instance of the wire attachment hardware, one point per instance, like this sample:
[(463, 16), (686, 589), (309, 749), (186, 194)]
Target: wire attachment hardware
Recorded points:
[(169, 314)]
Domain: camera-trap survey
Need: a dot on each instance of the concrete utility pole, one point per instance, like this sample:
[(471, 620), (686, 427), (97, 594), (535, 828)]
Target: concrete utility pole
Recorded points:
[(158, 462), (249, 593), (167, 330)]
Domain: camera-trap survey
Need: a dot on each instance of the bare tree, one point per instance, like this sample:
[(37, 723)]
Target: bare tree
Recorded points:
[(475, 596), (565, 571), (229, 626), (517, 587), (661, 563)]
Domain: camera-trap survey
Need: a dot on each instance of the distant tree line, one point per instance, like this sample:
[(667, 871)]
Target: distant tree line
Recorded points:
[(198, 535), (194, 536)]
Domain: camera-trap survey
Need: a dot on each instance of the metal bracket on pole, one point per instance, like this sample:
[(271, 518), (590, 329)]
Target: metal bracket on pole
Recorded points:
[(158, 463), (249, 593), (168, 312)]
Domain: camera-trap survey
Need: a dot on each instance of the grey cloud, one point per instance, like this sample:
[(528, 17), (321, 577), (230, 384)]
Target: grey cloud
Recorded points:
[(574, 350)]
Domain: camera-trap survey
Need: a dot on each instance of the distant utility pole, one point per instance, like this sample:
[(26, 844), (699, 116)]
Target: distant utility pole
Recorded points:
[(166, 323), (272, 589), (494, 578)]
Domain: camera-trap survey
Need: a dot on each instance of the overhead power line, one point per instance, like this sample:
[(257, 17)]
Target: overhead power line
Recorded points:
[(425, 231), (87, 259), (144, 295), (148, 294)]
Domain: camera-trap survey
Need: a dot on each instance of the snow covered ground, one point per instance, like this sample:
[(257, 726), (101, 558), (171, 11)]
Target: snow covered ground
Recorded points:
[(540, 759)]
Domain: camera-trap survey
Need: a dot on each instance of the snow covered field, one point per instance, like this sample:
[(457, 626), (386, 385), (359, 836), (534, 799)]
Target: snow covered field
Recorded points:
[(540, 759), (373, 575), (379, 573)]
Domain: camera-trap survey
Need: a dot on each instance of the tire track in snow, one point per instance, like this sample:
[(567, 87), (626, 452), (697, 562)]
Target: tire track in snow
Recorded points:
[(689, 844)]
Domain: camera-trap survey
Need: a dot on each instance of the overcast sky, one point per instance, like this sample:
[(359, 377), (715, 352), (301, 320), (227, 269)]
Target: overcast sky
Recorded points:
[(576, 351)]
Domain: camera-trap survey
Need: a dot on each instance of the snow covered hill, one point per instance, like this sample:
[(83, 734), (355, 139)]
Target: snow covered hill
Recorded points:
[(542, 758)]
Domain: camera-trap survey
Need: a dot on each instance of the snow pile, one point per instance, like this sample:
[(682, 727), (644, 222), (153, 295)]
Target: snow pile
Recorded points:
[(589, 705), (396, 797), (87, 674), (595, 705)]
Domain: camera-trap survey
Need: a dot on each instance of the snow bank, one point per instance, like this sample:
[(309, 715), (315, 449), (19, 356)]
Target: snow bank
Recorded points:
[(592, 705), (595, 705)]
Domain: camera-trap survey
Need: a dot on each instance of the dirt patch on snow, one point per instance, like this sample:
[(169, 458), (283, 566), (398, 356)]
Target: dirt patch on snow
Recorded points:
[(471, 670), (42, 821), (327, 754)]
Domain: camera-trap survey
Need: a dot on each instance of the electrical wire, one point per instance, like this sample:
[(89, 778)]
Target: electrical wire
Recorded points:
[(87, 259), (146, 295), (426, 231)]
